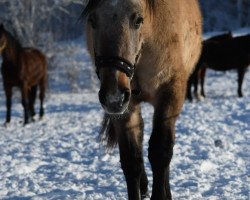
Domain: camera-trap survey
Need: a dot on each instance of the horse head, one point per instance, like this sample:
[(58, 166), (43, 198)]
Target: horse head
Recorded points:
[(115, 31)]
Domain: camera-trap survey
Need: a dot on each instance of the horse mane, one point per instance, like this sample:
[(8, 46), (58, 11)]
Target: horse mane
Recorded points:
[(151, 4), (13, 42), (13, 46), (92, 4)]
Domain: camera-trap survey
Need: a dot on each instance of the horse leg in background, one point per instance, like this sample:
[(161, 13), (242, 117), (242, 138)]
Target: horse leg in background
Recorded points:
[(130, 137), (189, 87), (32, 99), (162, 140), (42, 86), (202, 80), (241, 74), (195, 82), (8, 93), (25, 102)]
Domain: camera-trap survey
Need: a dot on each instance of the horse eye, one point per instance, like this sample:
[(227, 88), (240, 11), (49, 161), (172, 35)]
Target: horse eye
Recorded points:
[(92, 21), (138, 22)]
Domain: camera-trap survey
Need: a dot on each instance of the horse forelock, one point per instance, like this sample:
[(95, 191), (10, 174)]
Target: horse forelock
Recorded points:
[(13, 42), (92, 4), (151, 4)]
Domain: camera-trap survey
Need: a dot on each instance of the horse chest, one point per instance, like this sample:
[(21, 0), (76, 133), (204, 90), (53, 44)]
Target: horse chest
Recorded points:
[(147, 88), (10, 74)]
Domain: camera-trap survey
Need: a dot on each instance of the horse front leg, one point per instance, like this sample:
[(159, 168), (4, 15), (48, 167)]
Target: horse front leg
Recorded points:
[(241, 74), (160, 154), (8, 93), (42, 88), (130, 137), (189, 88), (32, 99), (162, 139), (25, 103)]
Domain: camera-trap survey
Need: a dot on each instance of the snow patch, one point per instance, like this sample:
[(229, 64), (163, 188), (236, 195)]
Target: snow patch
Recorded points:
[(207, 166)]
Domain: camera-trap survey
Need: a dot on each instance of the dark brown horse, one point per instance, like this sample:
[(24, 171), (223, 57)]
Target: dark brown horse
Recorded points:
[(25, 68), (228, 54), (198, 75), (144, 50)]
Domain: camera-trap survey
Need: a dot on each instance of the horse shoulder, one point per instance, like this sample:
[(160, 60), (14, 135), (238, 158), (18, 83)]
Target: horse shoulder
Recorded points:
[(174, 46)]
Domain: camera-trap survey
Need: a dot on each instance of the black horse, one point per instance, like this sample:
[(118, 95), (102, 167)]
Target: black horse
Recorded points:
[(222, 53)]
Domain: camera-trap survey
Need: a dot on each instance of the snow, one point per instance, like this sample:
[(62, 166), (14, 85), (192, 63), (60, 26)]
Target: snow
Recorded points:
[(60, 157), (235, 33)]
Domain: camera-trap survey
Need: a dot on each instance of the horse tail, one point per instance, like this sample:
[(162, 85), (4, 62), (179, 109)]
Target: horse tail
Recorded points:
[(107, 134)]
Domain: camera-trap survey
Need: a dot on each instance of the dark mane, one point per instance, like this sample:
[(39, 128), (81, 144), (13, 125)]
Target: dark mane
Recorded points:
[(151, 4), (92, 4), (12, 41), (13, 45)]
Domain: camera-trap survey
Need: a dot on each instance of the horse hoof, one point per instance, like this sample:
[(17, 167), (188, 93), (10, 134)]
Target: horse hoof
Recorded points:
[(26, 122), (200, 98), (6, 124), (145, 196), (41, 118)]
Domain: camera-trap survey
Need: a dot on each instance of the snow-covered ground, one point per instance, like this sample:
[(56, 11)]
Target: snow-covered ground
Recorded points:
[(60, 157)]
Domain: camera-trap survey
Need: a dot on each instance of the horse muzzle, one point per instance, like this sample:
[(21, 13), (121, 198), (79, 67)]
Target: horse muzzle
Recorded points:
[(114, 103)]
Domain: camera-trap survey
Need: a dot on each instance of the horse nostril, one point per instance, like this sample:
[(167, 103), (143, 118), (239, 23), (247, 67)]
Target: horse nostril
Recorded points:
[(102, 97), (126, 96)]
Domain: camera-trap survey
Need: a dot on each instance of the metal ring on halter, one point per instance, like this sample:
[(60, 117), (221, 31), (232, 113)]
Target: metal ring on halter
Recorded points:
[(118, 63)]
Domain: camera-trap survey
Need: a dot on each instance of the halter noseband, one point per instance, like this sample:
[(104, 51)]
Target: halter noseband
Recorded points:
[(118, 63)]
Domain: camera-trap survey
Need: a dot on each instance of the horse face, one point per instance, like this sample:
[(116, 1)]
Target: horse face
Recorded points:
[(115, 37)]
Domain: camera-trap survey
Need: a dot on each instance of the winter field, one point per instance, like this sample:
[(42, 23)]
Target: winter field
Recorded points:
[(61, 158)]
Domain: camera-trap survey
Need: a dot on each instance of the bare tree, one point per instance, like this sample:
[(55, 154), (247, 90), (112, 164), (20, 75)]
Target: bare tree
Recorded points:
[(31, 20), (243, 12)]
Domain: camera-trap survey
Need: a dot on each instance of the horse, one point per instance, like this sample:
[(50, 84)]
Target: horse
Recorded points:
[(228, 55), (143, 51), (198, 75), (25, 68)]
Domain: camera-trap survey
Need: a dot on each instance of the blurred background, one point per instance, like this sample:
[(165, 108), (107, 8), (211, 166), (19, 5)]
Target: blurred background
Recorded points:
[(54, 27)]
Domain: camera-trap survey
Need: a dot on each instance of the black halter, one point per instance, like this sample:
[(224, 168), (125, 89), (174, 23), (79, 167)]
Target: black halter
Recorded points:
[(118, 63)]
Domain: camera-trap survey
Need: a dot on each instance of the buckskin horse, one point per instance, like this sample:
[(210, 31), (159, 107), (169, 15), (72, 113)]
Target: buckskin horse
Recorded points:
[(25, 68), (144, 51)]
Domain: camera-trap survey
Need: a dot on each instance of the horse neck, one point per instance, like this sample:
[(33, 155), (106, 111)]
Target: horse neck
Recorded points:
[(12, 50)]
